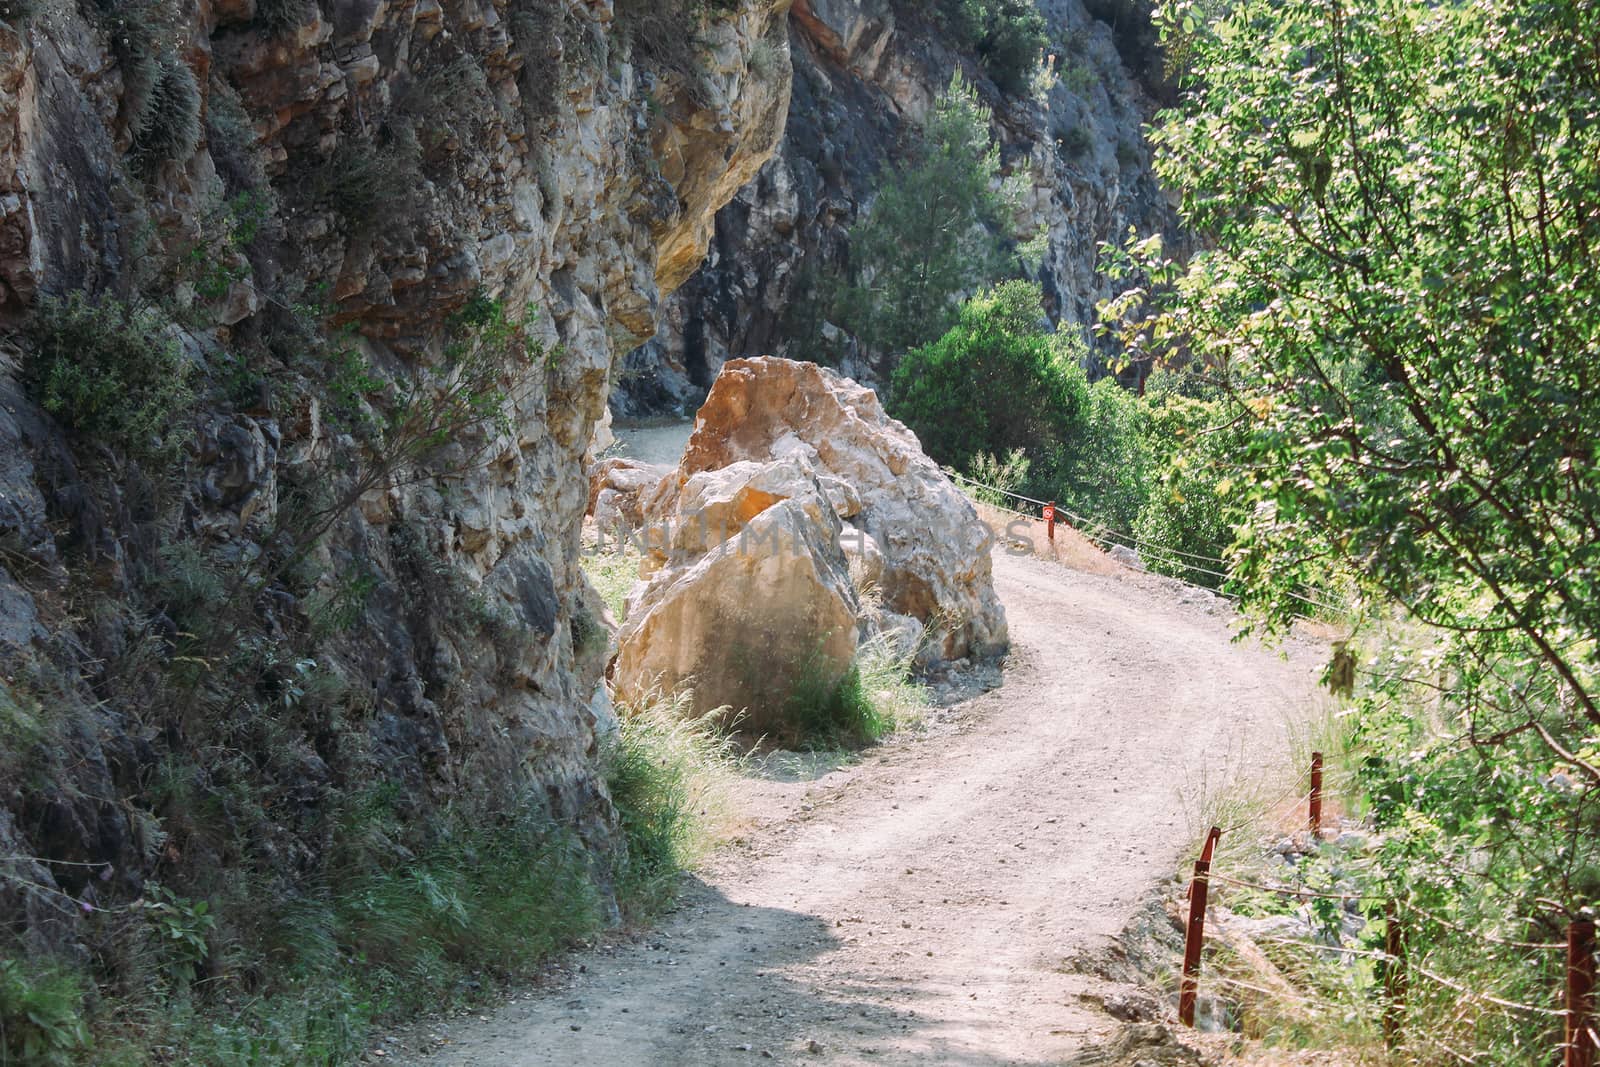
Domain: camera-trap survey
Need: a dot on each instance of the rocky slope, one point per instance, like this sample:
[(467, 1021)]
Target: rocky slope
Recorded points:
[(396, 245), (866, 72)]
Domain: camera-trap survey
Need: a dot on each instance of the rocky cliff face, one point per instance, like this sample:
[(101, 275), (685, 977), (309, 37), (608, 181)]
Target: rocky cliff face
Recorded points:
[(335, 210), (866, 73)]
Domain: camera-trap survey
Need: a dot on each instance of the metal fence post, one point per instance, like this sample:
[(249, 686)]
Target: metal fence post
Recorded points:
[(1316, 794), (1194, 934), (1580, 995), (1394, 975)]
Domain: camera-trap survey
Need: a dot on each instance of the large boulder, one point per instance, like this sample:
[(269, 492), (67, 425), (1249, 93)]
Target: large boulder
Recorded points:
[(748, 598), (936, 566), (617, 488)]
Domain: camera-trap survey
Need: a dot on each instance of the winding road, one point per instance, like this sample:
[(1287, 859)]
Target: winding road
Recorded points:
[(919, 907)]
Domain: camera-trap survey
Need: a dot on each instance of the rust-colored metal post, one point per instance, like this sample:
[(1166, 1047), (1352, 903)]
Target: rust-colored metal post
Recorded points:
[(1316, 794), (1580, 995), (1050, 521), (1194, 934), (1394, 975)]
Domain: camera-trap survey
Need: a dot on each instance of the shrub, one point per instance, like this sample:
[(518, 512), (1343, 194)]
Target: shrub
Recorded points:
[(1007, 35), (1074, 142), (664, 34), (1012, 41), (999, 476), (1197, 448), (996, 382), (108, 371), (280, 16), (370, 181), (1105, 464), (41, 1016), (168, 123)]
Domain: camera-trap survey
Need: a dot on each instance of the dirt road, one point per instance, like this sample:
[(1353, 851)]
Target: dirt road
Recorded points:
[(918, 907)]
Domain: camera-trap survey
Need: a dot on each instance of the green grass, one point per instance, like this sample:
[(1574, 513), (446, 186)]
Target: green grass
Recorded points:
[(875, 697), (666, 774), (613, 572), (268, 974), (41, 1016)]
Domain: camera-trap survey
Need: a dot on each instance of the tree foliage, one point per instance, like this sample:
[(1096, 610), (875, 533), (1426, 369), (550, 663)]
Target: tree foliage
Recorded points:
[(1008, 36), (931, 232), (1402, 205), (994, 383)]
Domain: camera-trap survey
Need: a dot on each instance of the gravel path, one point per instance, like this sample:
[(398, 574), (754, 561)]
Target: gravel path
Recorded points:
[(917, 907)]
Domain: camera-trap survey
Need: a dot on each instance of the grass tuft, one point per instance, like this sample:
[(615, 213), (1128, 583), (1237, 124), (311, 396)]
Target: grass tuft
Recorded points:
[(41, 1016), (875, 697), (667, 775), (612, 570)]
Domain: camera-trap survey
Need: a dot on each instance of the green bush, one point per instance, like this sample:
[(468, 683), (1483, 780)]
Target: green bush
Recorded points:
[(1074, 142), (1012, 42), (999, 477), (1105, 463), (168, 125), (109, 372), (280, 16), (370, 182), (1190, 508), (995, 383), (1006, 35), (41, 1017)]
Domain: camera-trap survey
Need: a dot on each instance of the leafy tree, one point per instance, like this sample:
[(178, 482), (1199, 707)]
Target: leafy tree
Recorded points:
[(1403, 289), (1103, 467), (1400, 287), (931, 232), (1007, 35), (994, 383), (1191, 508)]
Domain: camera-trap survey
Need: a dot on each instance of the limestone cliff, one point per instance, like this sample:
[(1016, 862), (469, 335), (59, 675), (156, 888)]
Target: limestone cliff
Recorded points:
[(866, 72), (332, 210)]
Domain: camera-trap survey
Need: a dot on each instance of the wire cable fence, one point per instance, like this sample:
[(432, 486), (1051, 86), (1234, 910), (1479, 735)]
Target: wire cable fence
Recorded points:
[(1580, 1045), (1173, 561)]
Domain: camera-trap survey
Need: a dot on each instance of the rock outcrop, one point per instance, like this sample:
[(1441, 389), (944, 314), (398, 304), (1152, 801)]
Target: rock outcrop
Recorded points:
[(923, 538), (748, 601), (617, 490), (330, 207), (866, 73)]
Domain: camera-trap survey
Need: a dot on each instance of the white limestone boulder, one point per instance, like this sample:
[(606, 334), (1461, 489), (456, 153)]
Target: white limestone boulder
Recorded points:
[(936, 563), (748, 597)]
